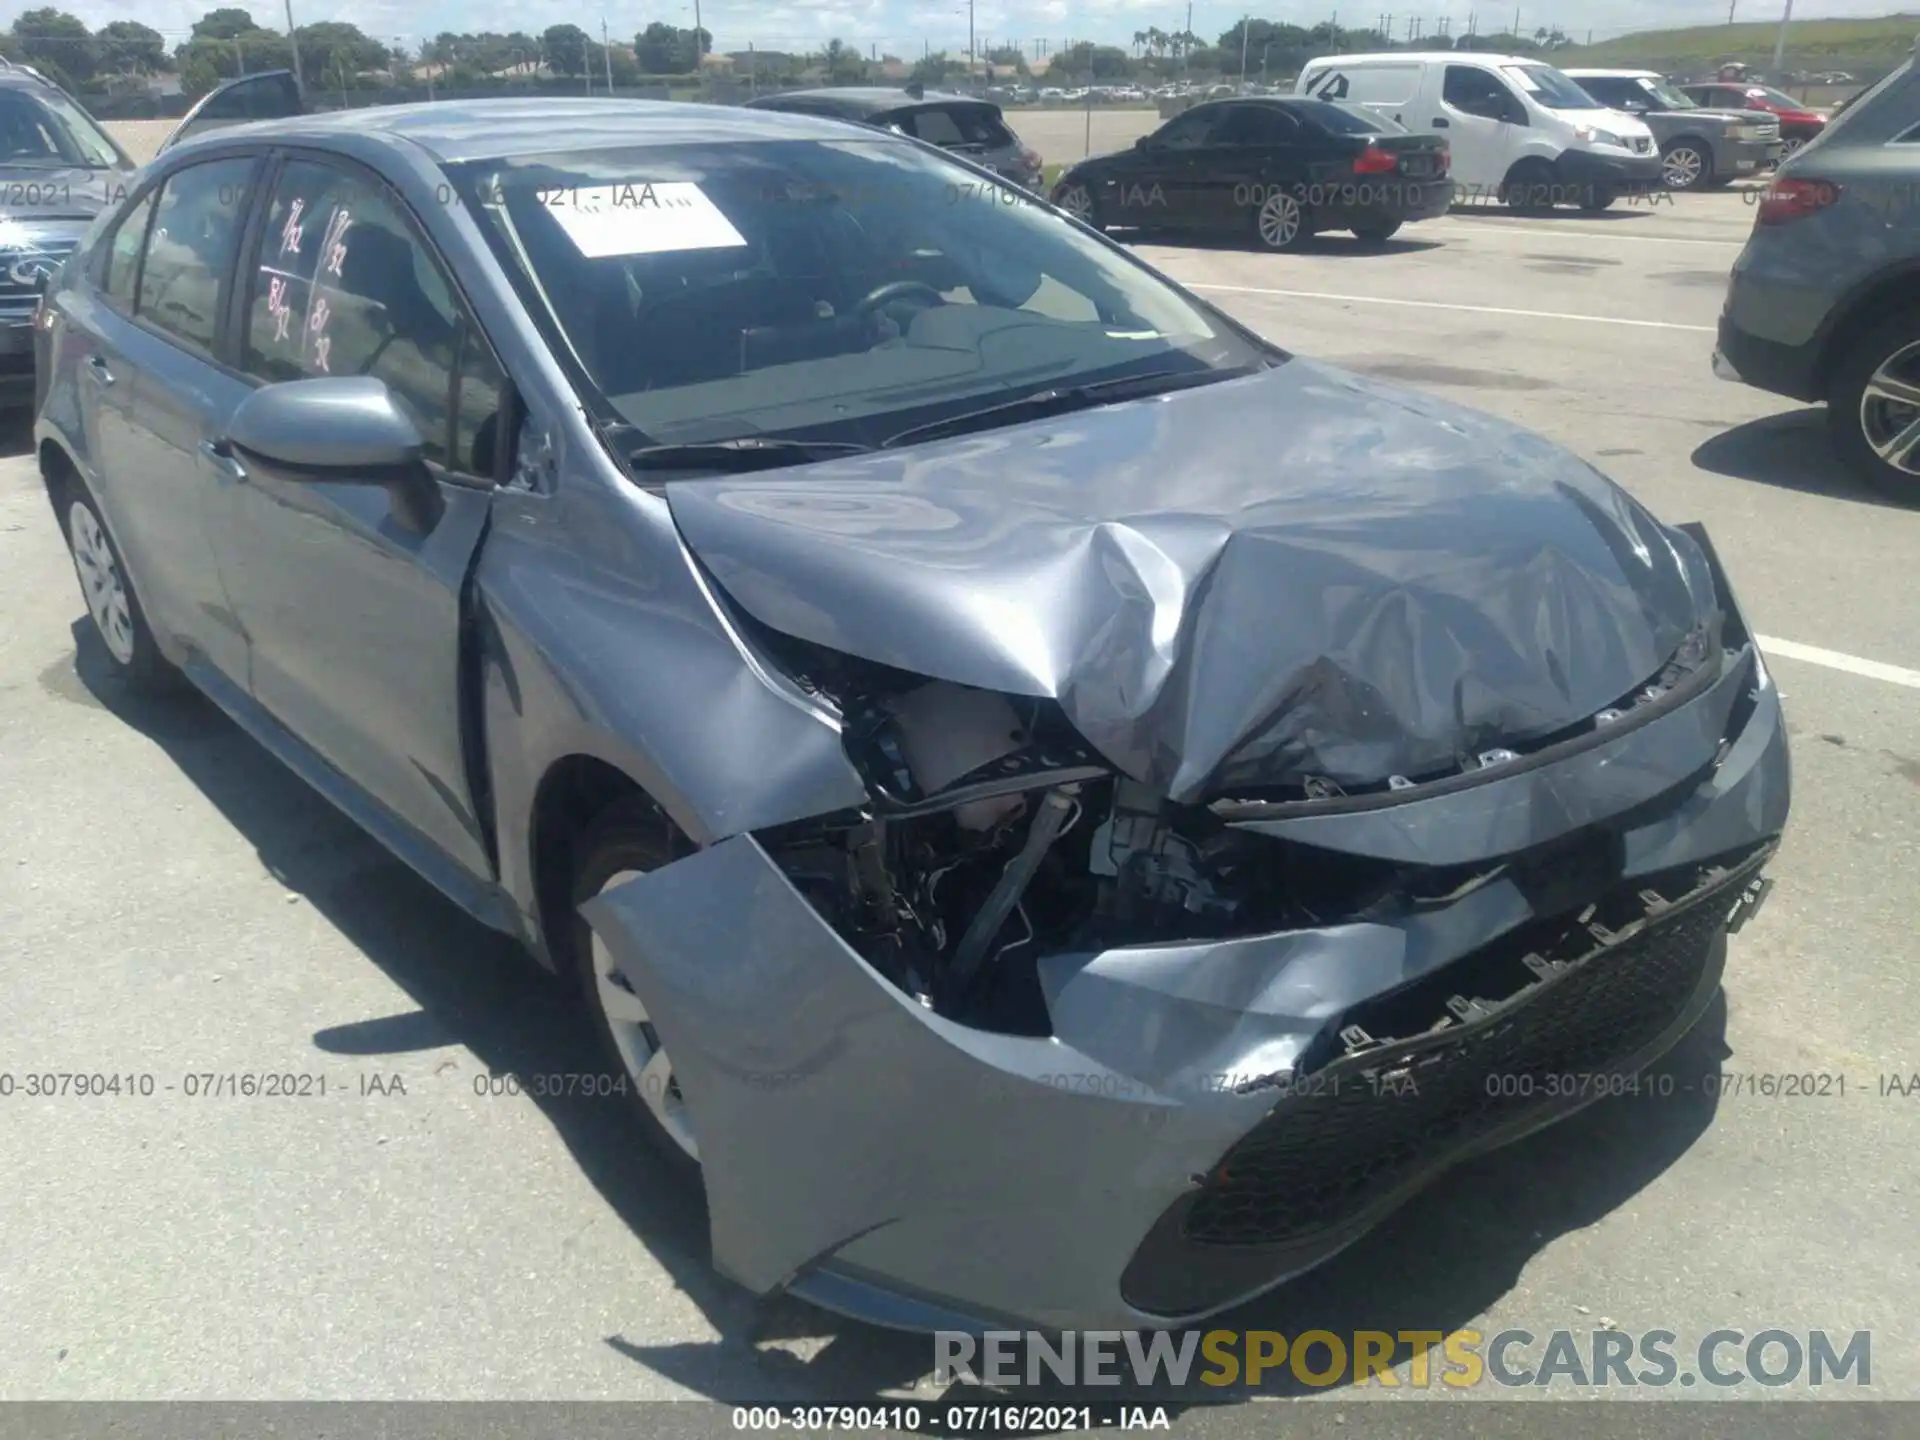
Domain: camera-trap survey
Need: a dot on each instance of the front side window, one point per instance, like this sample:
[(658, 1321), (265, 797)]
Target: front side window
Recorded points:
[(1474, 91), (190, 253), (122, 275), (43, 129), (343, 285), (842, 289)]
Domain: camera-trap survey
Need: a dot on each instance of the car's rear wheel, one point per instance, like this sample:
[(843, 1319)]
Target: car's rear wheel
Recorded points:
[(1596, 198), (623, 842), (1788, 148), (111, 603), (1281, 222), (1686, 166), (1077, 200), (1873, 407), (1378, 233)]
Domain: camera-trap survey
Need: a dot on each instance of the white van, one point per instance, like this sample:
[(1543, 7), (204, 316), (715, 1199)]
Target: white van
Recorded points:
[(1520, 131)]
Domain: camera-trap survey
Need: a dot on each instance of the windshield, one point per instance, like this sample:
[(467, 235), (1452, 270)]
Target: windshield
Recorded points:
[(1548, 87), (44, 128), (1667, 95), (837, 290)]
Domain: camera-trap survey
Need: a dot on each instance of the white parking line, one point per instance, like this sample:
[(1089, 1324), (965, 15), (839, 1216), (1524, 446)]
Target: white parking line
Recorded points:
[(1447, 305), (1835, 660), (1494, 228)]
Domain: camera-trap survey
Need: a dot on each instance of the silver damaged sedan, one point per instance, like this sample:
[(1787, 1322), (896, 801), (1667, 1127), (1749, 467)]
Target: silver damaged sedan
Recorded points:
[(1060, 812)]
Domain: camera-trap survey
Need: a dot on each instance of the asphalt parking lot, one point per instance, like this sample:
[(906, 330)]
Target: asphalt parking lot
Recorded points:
[(174, 903)]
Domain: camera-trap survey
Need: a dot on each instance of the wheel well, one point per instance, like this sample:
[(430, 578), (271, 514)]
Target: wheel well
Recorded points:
[(1889, 295), (57, 473), (1527, 165), (572, 793), (1698, 142)]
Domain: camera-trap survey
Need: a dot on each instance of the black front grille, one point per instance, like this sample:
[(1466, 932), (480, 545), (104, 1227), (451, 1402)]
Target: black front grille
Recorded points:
[(1366, 1126)]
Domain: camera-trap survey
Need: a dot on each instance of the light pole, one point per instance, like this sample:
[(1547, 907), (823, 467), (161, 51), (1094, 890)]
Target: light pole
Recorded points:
[(1780, 45), (293, 43), (1244, 21)]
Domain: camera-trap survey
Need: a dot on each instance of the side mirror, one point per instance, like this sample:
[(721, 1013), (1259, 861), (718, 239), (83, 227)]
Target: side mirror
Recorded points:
[(345, 430)]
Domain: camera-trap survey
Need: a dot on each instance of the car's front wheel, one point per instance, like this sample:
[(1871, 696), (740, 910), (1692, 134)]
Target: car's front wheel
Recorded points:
[(625, 841), (1077, 200), (1686, 166), (1873, 407), (115, 610)]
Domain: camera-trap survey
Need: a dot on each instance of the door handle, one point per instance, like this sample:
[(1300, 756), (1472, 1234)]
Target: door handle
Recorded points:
[(222, 455), (1440, 122), (97, 368)]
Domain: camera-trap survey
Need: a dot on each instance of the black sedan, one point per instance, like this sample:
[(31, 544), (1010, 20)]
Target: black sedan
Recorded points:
[(1278, 170)]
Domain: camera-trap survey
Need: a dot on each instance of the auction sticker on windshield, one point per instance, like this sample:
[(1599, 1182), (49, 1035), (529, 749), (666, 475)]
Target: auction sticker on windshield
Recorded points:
[(639, 218)]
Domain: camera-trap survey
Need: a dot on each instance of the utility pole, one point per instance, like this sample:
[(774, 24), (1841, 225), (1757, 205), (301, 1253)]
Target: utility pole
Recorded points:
[(606, 53), (1730, 5), (239, 57), (1780, 45), (293, 43), (1516, 21), (1244, 22), (970, 55), (699, 39)]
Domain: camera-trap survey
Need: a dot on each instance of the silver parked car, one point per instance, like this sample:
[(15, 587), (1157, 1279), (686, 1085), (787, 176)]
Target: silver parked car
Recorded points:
[(965, 125), (1056, 809), (1824, 301)]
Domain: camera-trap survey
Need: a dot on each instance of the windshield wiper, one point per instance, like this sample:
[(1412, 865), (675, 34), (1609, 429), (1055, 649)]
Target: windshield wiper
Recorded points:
[(742, 453), (1060, 400)]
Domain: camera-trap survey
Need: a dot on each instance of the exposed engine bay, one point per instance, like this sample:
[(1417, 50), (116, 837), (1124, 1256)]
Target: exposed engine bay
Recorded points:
[(953, 890)]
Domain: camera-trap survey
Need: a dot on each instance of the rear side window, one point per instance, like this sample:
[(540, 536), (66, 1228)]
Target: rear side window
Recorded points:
[(122, 274), (959, 125), (1259, 125), (189, 257), (343, 285)]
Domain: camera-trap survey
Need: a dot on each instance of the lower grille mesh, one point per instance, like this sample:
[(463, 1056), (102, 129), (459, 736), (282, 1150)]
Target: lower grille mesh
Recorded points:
[(1329, 1150)]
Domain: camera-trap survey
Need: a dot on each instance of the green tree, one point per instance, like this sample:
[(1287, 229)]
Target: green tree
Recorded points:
[(669, 50), (49, 37), (223, 24), (566, 49), (842, 64), (127, 45)]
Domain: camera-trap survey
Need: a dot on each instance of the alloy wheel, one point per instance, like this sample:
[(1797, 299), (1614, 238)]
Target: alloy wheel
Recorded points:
[(1890, 409), (1789, 147), (648, 1068), (1077, 201), (1280, 220), (1684, 167), (101, 582)]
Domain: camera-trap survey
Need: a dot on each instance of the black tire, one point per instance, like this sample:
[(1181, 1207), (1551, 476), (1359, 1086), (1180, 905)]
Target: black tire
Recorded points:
[(1528, 188), (1596, 198), (113, 608), (631, 834), (1857, 421), (1688, 166), (1378, 234)]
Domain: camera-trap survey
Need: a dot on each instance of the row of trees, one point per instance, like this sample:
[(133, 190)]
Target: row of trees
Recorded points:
[(227, 41)]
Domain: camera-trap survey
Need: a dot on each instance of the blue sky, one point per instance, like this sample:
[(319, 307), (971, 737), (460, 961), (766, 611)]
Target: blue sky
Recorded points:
[(904, 27)]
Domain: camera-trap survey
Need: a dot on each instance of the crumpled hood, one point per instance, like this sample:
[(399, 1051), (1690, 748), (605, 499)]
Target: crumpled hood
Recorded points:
[(1302, 573)]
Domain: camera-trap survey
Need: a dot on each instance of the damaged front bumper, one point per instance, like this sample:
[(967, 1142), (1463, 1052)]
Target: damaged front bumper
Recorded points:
[(1206, 1119)]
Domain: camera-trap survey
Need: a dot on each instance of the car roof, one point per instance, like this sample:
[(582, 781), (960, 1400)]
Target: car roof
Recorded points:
[(1450, 57), (457, 130), (872, 98), (1612, 74)]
